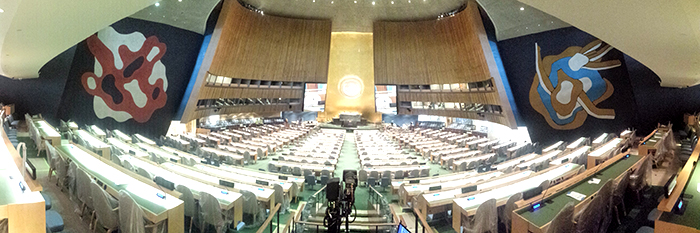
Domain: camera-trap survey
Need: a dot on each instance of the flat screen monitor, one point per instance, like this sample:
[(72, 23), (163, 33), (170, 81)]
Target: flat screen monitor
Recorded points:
[(670, 184), (314, 97), (402, 229), (160, 181), (385, 99)]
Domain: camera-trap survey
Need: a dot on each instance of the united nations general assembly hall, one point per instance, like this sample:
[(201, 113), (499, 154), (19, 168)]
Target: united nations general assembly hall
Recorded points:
[(352, 116)]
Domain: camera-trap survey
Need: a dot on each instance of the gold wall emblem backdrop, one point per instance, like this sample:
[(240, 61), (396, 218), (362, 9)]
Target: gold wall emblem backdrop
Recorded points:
[(351, 65)]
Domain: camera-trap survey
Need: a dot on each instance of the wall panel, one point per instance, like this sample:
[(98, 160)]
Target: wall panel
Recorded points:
[(255, 46), (433, 51)]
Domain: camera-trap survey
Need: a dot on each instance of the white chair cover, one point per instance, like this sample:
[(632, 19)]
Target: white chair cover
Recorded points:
[(83, 188), (563, 222), (281, 198), (485, 219), (250, 206), (506, 214), (130, 214), (106, 210), (211, 212)]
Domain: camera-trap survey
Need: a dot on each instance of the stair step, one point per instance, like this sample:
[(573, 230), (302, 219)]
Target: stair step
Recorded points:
[(357, 220), (360, 213)]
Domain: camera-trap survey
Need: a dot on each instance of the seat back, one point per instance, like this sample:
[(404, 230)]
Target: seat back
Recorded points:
[(486, 217), (563, 221), (82, 185), (188, 199), (108, 216), (250, 202), (374, 174), (398, 174), (211, 210), (385, 182), (506, 215), (271, 167), (144, 173), (386, 174), (425, 172), (371, 181), (606, 193), (130, 214)]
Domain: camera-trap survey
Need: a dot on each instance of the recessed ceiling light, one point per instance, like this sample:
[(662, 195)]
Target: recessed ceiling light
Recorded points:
[(331, 2), (392, 2), (1, 10), (409, 1), (314, 1), (157, 3), (372, 3), (355, 1), (179, 0), (522, 8)]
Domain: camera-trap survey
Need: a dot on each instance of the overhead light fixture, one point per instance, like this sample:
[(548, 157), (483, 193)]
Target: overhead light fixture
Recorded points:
[(331, 2), (1, 10), (409, 1), (355, 1), (392, 2), (522, 8), (372, 3), (179, 0), (157, 3)]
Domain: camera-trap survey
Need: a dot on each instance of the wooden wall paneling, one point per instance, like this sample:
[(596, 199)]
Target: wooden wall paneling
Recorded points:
[(496, 118), (429, 52), (264, 47), (210, 92), (457, 97)]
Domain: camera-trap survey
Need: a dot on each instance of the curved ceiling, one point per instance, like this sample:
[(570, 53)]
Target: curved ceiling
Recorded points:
[(32, 32), (190, 15), (662, 35), (357, 15), (514, 19)]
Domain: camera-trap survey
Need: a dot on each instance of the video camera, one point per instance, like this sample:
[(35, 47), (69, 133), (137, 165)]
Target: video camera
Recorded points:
[(340, 204)]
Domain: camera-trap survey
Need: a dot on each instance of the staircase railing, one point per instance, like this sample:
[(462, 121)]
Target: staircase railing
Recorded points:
[(273, 212), (423, 223)]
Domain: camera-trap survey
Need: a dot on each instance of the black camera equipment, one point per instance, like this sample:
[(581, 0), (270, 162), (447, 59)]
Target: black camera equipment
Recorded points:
[(340, 204)]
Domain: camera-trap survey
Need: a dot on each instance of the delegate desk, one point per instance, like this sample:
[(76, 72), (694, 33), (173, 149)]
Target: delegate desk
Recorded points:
[(228, 201), (538, 221), (687, 182), (158, 152), (24, 210), (603, 152), (652, 142), (466, 206), (145, 140), (94, 144), (408, 191), (155, 209), (99, 133), (121, 136), (242, 175), (266, 195), (47, 132)]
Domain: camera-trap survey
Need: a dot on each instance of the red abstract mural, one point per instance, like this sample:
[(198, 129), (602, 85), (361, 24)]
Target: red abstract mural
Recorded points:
[(132, 89)]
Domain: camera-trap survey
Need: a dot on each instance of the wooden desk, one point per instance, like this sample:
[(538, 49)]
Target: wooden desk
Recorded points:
[(145, 140), (47, 132), (24, 210), (95, 144), (156, 209), (467, 205), (99, 133), (602, 152), (687, 182), (121, 136), (525, 221)]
